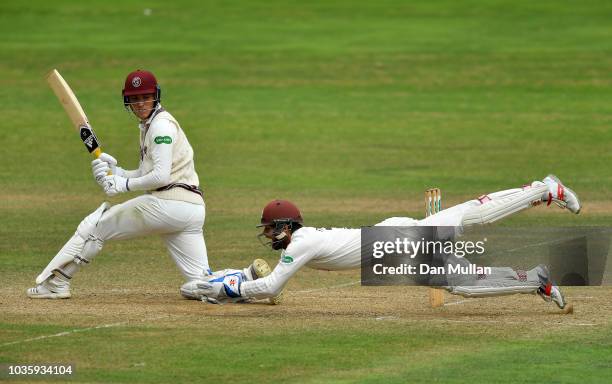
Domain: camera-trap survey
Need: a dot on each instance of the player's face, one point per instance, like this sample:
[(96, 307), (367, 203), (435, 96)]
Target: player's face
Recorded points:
[(278, 240), (142, 105), (268, 231)]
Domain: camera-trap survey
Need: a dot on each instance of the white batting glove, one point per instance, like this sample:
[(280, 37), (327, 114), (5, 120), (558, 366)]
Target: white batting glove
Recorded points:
[(111, 161), (99, 168), (114, 185)]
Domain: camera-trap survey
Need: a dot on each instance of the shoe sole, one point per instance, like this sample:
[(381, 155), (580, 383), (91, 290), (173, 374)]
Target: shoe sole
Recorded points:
[(563, 301), (556, 179), (262, 269), (52, 296), (550, 299)]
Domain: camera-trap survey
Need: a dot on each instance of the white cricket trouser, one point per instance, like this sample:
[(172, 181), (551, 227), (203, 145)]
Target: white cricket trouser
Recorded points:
[(178, 222), (487, 209)]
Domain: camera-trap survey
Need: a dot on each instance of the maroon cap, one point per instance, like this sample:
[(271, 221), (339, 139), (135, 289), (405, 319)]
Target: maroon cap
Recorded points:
[(140, 82), (280, 210)]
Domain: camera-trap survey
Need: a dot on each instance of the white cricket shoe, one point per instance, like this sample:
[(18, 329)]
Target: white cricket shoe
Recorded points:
[(561, 195), (548, 291), (551, 292), (44, 291), (260, 268)]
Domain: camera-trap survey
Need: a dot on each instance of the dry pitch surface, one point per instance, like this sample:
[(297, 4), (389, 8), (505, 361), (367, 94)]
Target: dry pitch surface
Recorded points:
[(332, 305)]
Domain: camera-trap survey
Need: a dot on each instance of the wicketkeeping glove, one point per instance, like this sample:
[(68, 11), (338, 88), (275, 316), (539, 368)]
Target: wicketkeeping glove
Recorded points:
[(114, 185), (221, 289)]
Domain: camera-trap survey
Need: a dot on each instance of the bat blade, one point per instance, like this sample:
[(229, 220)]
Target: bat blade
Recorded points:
[(75, 112)]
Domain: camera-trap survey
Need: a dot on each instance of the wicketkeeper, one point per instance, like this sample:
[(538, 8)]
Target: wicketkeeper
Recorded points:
[(340, 248), (172, 205)]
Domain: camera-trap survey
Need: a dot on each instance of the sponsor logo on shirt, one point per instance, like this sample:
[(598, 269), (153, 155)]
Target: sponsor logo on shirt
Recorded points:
[(286, 259), (163, 140)]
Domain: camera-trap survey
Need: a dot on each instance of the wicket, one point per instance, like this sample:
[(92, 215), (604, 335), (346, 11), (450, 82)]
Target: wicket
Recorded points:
[(433, 205), (433, 201)]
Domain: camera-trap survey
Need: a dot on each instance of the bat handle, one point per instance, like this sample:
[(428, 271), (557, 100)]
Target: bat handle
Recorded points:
[(96, 153)]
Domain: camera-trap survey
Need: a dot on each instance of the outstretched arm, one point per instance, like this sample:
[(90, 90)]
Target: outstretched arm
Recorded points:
[(230, 284), (303, 248), (273, 284)]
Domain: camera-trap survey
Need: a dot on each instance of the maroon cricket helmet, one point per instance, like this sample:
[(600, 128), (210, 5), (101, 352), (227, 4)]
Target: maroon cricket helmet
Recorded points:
[(280, 210), (140, 82)]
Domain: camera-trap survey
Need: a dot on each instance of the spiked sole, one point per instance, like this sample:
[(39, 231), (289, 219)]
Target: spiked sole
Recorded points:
[(556, 179)]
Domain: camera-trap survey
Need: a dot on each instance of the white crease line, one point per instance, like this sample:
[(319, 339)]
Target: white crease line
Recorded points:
[(504, 322), (568, 297), (123, 291), (357, 282), (456, 302), (66, 333), (476, 321), (332, 287)]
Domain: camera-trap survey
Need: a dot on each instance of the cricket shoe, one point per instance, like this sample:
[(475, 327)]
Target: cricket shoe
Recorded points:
[(561, 195), (260, 268), (549, 291), (45, 291)]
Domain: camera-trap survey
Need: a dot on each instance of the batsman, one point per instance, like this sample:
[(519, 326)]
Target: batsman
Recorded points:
[(172, 205)]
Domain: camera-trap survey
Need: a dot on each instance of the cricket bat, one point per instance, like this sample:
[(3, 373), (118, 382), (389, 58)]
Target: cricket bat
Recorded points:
[(75, 112)]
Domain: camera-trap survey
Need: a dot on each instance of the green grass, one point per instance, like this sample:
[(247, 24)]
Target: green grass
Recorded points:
[(351, 110), (393, 353)]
